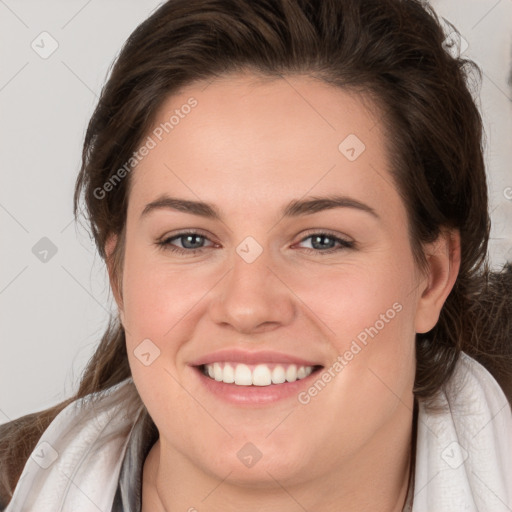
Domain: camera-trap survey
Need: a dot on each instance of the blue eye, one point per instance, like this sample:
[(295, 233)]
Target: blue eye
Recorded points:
[(325, 243), (193, 243)]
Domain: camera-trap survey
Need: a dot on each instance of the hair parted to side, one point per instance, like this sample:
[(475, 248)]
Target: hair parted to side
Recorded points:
[(390, 51)]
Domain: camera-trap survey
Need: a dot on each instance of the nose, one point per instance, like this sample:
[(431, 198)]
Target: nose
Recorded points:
[(252, 297)]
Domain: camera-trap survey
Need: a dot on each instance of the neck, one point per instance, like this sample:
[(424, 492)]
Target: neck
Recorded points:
[(378, 478)]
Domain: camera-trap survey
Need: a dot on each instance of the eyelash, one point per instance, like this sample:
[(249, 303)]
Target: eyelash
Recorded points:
[(166, 245)]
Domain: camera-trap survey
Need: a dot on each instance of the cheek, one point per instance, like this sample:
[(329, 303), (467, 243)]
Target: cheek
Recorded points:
[(160, 297), (160, 309), (366, 310), (364, 298)]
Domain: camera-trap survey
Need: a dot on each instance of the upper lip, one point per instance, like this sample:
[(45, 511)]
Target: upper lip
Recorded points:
[(251, 357)]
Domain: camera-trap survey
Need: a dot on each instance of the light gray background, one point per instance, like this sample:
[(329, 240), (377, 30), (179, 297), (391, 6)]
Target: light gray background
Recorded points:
[(53, 313)]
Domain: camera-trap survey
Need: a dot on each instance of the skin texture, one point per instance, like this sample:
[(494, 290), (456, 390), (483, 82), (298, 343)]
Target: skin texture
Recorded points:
[(249, 147)]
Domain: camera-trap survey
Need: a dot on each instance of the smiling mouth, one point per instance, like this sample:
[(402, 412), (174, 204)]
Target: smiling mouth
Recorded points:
[(240, 374)]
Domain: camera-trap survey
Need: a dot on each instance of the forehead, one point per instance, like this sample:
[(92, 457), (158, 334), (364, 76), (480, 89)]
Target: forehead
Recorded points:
[(253, 139)]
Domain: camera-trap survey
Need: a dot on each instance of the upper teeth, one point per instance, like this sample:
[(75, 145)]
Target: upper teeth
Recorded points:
[(257, 375)]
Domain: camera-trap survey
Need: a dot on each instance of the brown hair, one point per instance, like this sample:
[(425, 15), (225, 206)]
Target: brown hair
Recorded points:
[(389, 50)]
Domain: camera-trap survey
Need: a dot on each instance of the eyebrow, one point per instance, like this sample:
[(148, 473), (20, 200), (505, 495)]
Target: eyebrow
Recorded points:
[(294, 208)]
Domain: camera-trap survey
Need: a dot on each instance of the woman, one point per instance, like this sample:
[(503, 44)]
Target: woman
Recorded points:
[(290, 197)]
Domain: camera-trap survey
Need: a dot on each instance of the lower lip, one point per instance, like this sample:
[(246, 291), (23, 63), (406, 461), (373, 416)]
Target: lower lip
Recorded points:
[(255, 395)]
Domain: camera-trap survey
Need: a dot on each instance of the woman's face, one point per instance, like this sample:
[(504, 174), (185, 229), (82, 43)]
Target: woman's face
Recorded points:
[(301, 256)]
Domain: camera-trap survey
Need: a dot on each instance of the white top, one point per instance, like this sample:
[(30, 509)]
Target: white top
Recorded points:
[(463, 455)]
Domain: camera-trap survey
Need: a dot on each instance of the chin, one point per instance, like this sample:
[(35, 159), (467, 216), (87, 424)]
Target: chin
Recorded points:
[(260, 465)]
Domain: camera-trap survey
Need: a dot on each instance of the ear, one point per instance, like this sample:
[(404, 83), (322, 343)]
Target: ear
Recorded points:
[(443, 263), (114, 273)]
